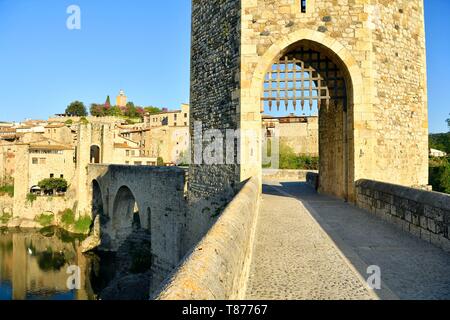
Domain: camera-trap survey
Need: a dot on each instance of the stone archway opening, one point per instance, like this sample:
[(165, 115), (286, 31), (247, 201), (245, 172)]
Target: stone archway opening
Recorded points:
[(97, 200), (95, 154), (136, 219), (126, 218), (309, 76)]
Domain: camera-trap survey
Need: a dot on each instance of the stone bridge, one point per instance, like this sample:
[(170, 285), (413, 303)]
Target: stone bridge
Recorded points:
[(294, 243), (139, 197)]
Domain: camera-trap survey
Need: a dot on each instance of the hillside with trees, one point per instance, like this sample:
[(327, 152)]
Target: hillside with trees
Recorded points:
[(440, 167), (130, 111)]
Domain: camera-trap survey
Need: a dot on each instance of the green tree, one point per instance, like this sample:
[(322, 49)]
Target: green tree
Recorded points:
[(53, 185), (448, 123), (440, 141), (160, 162), (440, 175), (108, 103), (114, 112), (77, 109)]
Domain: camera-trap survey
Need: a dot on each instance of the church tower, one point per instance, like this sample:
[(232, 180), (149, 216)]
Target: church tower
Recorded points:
[(121, 100)]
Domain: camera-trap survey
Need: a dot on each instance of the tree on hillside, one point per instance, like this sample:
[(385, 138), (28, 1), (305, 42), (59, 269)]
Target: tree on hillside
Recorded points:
[(76, 109), (152, 110), (448, 123), (114, 112), (131, 110), (440, 141), (108, 103), (97, 110), (141, 112)]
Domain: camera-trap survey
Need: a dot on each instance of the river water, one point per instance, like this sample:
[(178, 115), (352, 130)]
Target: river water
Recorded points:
[(49, 265)]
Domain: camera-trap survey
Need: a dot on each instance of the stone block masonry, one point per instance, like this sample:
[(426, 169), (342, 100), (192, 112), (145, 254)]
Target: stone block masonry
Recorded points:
[(215, 61), (217, 268), (377, 130), (156, 195), (380, 46), (425, 214)]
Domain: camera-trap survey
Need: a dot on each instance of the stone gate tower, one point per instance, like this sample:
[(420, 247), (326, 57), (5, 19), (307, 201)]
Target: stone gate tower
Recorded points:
[(362, 62)]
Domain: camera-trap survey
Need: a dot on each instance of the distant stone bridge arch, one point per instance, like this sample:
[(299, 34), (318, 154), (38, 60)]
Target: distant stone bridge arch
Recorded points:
[(152, 198)]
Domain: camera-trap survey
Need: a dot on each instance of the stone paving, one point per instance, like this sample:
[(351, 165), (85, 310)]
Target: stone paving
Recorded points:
[(310, 246)]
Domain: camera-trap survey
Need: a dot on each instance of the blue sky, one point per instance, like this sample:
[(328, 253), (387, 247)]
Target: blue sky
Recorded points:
[(141, 46)]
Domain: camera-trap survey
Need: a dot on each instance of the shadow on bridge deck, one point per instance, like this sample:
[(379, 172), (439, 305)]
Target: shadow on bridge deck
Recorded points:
[(304, 232)]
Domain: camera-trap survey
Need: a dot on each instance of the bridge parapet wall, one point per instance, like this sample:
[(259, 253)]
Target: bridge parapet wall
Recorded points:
[(217, 268), (425, 214)]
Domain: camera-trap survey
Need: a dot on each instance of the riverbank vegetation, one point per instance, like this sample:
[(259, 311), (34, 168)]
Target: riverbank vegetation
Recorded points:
[(81, 225), (45, 220), (7, 189)]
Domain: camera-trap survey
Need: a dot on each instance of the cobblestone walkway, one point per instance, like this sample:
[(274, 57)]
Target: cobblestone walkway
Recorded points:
[(310, 246)]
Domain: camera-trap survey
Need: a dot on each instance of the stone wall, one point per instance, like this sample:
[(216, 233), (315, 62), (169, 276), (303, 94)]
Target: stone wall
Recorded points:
[(425, 214), (217, 268), (30, 210), (25, 215), (398, 41), (303, 138), (6, 205), (214, 104), (285, 175)]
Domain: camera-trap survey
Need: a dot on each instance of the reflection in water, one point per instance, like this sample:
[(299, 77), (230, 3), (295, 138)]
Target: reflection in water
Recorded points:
[(34, 266)]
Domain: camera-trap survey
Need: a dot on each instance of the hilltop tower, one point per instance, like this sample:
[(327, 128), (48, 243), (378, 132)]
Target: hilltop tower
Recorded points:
[(121, 100), (362, 62)]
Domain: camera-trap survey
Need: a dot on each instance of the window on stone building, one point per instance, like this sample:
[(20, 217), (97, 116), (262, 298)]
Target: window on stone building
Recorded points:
[(303, 6), (42, 161), (52, 175), (127, 152), (61, 176), (35, 160)]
